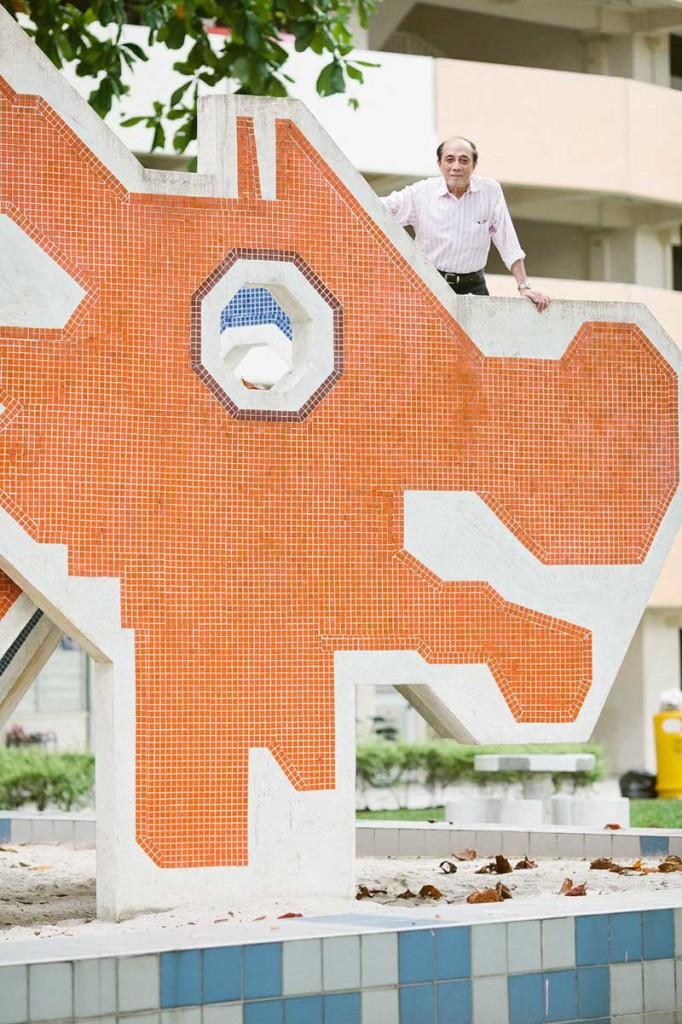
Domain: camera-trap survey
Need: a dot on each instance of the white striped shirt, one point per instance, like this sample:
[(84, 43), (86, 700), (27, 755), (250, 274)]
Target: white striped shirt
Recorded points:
[(455, 234)]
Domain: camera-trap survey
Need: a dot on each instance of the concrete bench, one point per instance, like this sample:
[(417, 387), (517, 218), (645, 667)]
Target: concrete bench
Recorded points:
[(540, 804), (540, 785)]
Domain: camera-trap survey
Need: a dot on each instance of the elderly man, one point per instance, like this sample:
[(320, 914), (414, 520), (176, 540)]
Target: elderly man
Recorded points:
[(454, 218)]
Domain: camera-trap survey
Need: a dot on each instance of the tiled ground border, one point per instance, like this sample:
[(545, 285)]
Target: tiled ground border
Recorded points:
[(415, 839), (407, 839), (595, 968), (623, 967)]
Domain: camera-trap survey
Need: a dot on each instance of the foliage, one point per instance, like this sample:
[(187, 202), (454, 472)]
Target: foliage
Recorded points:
[(444, 763), (656, 813), (250, 53), (47, 780)]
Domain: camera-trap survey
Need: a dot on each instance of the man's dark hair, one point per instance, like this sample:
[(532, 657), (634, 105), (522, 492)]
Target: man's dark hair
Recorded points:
[(439, 151)]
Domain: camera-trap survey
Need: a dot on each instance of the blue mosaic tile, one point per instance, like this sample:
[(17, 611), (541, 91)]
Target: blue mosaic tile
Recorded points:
[(592, 939), (654, 846), (181, 978), (303, 1010), (593, 992), (453, 953), (251, 306), (345, 1008), (658, 934), (270, 1011), (526, 1001), (454, 1004), (263, 970), (561, 989), (222, 974), (417, 1004), (626, 937), (415, 957), (5, 830)]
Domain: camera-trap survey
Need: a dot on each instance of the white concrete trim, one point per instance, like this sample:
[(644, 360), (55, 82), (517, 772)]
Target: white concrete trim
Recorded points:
[(312, 347), (34, 290)]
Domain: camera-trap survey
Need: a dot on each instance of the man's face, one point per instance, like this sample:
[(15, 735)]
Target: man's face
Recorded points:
[(456, 164)]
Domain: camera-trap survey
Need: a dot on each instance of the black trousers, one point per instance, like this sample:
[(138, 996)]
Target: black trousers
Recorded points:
[(475, 285)]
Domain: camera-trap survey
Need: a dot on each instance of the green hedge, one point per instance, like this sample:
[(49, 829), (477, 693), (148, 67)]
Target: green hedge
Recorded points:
[(444, 762), (46, 780)]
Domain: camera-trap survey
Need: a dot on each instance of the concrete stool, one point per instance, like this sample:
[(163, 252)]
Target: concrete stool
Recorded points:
[(536, 806)]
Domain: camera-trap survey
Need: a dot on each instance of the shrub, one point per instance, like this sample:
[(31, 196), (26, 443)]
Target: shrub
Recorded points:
[(36, 777), (444, 763)]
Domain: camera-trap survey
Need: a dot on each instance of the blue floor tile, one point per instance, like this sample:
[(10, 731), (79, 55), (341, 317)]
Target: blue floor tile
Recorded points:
[(626, 937), (654, 846), (454, 1002), (344, 1008), (526, 999), (269, 1011), (222, 974), (262, 970), (181, 978), (417, 1004), (593, 992), (453, 953), (592, 939), (5, 830), (561, 991), (416, 957), (658, 939), (303, 1010)]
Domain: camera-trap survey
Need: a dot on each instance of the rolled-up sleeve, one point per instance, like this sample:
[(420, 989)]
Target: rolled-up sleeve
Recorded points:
[(504, 234), (401, 205)]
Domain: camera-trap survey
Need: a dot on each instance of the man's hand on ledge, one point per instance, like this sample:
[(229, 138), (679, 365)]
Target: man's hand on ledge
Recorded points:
[(539, 300)]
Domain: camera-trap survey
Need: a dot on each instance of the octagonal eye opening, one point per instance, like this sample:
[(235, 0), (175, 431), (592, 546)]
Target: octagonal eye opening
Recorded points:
[(266, 335)]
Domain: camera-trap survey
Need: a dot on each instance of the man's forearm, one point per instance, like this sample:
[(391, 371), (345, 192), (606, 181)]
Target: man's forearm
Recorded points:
[(518, 269)]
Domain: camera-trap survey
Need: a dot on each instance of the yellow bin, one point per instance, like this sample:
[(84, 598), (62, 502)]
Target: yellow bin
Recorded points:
[(668, 733)]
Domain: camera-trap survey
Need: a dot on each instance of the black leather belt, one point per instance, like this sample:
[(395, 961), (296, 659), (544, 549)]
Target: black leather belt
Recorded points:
[(476, 275)]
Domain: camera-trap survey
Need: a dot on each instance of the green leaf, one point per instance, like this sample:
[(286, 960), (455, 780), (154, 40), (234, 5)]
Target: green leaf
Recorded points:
[(330, 79), (177, 95)]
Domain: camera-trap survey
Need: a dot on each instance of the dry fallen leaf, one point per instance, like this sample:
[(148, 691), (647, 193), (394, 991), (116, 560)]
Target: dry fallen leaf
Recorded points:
[(447, 867), (565, 886), (429, 892), (290, 913), (465, 855), (505, 893), (261, 918), (8, 849), (367, 894), (601, 864), (485, 896), (407, 895), (502, 865), (612, 826), (40, 867), (577, 890), (525, 864), (671, 863), (487, 869)]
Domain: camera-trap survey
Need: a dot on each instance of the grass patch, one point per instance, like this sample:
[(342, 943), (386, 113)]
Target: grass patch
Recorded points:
[(405, 814), (643, 814), (656, 813)]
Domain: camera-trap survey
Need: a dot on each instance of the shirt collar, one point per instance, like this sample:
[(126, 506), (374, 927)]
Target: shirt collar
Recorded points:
[(474, 185)]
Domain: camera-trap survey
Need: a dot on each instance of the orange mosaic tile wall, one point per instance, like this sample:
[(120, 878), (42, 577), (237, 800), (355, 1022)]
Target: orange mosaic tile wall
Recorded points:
[(249, 550)]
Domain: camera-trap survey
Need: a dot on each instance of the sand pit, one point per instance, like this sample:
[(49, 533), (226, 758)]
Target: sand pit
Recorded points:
[(48, 890)]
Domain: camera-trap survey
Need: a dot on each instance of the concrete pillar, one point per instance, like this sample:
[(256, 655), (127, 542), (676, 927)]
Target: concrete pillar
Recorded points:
[(646, 58)]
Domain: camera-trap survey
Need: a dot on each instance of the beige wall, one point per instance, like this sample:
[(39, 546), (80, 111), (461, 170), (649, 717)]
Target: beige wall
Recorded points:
[(554, 129)]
